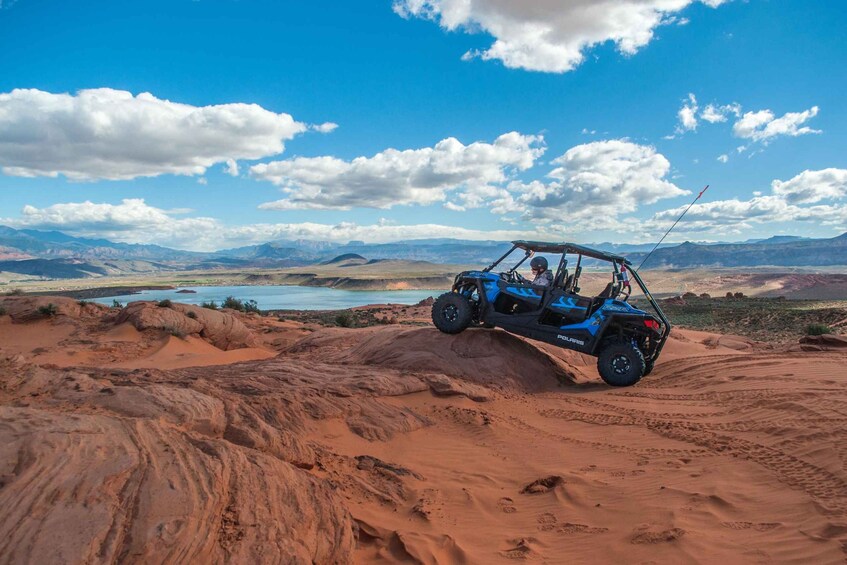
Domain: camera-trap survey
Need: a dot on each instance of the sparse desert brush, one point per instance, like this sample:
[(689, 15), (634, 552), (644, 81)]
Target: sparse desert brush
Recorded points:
[(83, 303), (251, 306), (15, 292), (175, 331), (345, 320), (165, 303), (49, 310), (818, 329), (2, 311), (117, 304), (233, 303), (192, 315), (211, 305)]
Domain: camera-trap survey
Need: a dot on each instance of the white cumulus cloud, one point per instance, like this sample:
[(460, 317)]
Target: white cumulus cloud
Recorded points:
[(787, 202), (550, 35), (688, 115), (325, 127), (764, 125), (813, 186), (393, 177), (135, 221), (597, 181), (716, 114), (112, 134)]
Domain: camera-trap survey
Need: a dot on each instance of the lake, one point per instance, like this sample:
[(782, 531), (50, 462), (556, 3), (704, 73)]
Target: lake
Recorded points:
[(281, 297)]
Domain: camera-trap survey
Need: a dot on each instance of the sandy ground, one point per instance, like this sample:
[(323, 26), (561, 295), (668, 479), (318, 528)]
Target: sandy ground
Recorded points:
[(398, 444)]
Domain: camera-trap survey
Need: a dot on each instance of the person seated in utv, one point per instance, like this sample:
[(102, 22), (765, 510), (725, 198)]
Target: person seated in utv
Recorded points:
[(541, 272)]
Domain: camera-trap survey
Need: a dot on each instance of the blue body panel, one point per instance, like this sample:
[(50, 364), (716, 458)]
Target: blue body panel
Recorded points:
[(609, 307)]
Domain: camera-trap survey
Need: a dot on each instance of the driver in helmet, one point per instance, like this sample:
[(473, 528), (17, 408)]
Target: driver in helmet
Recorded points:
[(541, 272)]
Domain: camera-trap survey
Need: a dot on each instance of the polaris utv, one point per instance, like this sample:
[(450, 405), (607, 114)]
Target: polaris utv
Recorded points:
[(626, 341)]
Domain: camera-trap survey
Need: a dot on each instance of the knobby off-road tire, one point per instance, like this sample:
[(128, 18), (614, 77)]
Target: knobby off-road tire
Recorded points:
[(621, 363), (452, 313), (648, 367)]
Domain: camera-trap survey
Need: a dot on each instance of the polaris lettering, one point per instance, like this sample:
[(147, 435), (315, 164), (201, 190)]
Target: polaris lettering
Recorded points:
[(570, 339)]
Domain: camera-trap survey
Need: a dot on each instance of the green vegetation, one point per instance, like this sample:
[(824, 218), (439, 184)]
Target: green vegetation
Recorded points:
[(212, 305), (15, 292), (2, 311), (83, 303), (359, 318), (818, 329), (192, 315), (246, 306), (165, 303), (49, 310), (345, 320), (763, 319), (117, 304)]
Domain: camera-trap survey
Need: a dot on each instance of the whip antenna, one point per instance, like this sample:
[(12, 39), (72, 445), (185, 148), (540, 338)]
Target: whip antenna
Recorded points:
[(673, 226)]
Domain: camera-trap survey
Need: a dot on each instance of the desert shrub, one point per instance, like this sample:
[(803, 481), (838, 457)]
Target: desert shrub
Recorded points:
[(49, 310), (15, 292), (705, 295), (176, 332), (2, 311), (233, 303), (689, 295), (165, 303), (192, 315), (818, 329), (211, 305), (739, 295), (345, 320), (729, 295), (117, 304), (251, 306), (83, 302)]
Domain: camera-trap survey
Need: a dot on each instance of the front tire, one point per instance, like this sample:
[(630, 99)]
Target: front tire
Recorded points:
[(452, 313), (621, 363)]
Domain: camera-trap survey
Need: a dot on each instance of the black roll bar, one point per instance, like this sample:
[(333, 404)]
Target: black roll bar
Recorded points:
[(500, 260)]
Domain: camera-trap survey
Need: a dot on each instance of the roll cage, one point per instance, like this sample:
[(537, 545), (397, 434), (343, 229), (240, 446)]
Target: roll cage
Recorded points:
[(621, 266)]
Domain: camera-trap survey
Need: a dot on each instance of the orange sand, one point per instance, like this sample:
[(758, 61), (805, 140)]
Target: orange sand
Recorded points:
[(398, 444)]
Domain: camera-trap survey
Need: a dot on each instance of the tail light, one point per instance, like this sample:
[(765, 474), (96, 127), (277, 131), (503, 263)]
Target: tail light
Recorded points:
[(652, 324)]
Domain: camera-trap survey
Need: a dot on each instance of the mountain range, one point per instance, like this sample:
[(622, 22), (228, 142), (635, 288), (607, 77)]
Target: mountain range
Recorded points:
[(53, 254)]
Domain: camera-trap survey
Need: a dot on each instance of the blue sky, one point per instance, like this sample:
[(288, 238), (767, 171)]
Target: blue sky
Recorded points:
[(601, 115)]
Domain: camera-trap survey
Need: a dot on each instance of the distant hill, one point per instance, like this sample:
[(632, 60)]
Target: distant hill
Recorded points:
[(52, 268), (54, 244), (54, 254), (346, 259), (791, 253)]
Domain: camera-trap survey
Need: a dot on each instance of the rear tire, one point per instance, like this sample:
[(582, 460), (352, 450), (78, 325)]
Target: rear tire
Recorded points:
[(452, 313), (621, 363), (648, 367)]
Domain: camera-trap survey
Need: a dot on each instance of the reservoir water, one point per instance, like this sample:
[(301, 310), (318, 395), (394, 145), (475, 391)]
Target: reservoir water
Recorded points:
[(281, 297)]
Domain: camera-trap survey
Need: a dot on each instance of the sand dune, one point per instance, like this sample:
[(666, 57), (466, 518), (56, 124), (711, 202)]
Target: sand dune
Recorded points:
[(398, 444)]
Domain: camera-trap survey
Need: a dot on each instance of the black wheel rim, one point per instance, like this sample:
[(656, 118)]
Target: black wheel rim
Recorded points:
[(621, 364), (450, 313)]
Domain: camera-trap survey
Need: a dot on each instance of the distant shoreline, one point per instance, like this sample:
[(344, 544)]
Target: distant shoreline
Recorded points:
[(101, 292)]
